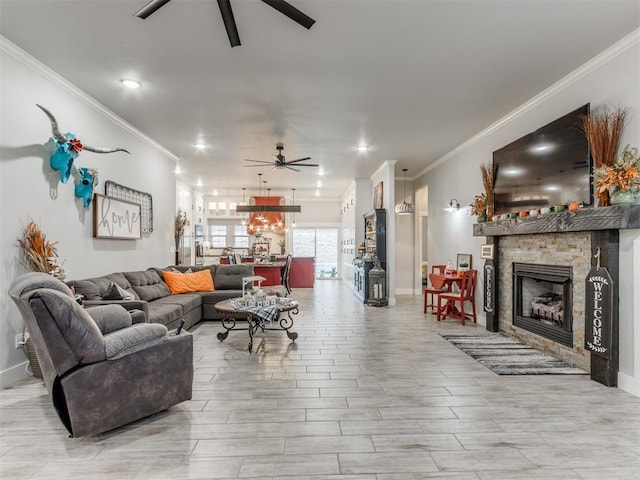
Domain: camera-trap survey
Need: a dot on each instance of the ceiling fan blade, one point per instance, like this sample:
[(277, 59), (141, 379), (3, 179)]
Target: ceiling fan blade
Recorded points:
[(150, 8), (291, 168), (229, 22), (258, 161), (249, 166), (292, 12), (300, 160), (307, 165)]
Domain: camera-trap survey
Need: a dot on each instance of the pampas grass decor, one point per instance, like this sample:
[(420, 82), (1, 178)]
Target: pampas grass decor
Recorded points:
[(487, 180), (603, 129)]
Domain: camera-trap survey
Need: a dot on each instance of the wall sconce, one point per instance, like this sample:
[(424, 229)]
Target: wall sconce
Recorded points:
[(453, 206)]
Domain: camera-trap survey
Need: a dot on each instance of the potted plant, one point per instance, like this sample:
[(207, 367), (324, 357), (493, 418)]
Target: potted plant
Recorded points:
[(479, 207), (621, 181), (282, 246)]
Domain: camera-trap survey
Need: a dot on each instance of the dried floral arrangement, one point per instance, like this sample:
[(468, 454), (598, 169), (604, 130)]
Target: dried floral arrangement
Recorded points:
[(40, 253), (623, 175), (603, 130), (181, 222), (479, 205), (488, 182)]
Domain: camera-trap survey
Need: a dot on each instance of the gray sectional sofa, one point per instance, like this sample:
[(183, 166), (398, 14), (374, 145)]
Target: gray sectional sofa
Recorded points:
[(147, 291)]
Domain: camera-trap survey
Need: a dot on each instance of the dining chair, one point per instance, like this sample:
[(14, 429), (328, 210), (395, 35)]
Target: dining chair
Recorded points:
[(285, 274), (224, 260), (430, 291), (456, 300)]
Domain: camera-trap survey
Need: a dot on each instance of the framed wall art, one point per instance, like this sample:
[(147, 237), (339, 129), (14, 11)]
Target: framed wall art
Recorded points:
[(114, 218), (377, 196), (486, 252), (463, 262)]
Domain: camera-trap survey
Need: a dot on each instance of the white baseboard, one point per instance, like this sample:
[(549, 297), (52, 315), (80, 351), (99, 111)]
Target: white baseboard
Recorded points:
[(629, 384), (14, 375), (404, 291)]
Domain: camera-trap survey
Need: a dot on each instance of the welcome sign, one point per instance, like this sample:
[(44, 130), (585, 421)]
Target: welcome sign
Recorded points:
[(598, 312)]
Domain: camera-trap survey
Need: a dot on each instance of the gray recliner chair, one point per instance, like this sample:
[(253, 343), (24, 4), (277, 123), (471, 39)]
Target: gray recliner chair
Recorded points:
[(101, 370)]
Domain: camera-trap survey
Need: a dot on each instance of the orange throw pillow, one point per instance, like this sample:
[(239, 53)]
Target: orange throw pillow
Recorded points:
[(189, 282)]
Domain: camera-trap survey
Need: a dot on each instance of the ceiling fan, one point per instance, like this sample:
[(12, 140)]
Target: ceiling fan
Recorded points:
[(280, 161), (227, 15)]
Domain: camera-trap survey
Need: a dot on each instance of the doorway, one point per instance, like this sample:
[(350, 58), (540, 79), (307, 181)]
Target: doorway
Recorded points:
[(322, 244)]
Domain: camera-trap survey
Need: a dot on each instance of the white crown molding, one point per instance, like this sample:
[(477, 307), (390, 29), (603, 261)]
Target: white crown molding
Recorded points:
[(41, 69), (585, 69)]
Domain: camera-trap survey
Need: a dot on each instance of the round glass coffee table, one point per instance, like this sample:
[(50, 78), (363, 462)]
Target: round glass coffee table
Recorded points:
[(257, 317)]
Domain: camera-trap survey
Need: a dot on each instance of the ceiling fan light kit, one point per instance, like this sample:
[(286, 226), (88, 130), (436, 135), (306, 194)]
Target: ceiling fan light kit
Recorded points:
[(281, 162), (226, 12)]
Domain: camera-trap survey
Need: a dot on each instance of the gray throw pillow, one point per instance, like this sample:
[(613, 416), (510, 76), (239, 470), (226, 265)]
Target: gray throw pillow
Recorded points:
[(124, 294), (113, 293)]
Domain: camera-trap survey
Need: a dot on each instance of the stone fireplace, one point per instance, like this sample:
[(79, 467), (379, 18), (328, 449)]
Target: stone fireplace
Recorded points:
[(545, 263), (535, 283)]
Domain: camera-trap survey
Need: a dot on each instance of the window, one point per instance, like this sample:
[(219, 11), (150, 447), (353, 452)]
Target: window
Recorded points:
[(218, 234), (240, 236)]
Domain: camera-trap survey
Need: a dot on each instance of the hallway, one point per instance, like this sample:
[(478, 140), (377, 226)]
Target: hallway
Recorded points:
[(364, 393)]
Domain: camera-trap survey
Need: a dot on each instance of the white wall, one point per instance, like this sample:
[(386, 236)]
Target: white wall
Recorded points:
[(611, 78), (30, 189)]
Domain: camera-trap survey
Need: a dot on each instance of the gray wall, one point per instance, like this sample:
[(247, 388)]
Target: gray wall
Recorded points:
[(30, 189)]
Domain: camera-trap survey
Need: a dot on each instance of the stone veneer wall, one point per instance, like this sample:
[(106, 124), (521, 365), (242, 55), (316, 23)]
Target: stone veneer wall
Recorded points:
[(571, 249)]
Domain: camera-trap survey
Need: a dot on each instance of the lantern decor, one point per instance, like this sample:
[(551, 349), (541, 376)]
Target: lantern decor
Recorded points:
[(377, 286)]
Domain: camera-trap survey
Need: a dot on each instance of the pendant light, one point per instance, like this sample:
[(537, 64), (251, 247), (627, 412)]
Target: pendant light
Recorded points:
[(404, 208)]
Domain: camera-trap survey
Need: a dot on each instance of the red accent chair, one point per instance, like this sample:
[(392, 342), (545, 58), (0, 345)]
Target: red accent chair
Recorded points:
[(467, 293), (431, 291)]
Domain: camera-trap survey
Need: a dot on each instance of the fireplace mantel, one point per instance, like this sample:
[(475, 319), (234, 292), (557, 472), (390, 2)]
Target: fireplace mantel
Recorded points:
[(617, 217)]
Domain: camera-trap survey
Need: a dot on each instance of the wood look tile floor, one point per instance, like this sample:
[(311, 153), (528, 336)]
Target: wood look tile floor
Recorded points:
[(364, 393)]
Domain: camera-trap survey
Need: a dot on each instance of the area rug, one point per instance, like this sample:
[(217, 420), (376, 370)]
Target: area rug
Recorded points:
[(507, 356)]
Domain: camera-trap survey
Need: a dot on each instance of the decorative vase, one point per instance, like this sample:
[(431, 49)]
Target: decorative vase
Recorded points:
[(482, 217), (620, 197)]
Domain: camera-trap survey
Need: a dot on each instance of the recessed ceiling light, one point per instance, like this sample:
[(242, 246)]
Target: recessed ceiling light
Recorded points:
[(363, 148), (200, 145), (129, 83), (319, 184), (177, 170), (199, 183)]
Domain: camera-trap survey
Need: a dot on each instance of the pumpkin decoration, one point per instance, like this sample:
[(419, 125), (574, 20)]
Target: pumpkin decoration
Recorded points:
[(523, 213), (574, 206)]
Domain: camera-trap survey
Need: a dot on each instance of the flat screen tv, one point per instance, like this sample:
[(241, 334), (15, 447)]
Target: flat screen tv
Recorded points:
[(547, 167)]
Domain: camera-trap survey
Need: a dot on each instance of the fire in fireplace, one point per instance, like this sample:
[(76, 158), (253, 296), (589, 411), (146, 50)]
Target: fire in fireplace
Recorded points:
[(542, 300)]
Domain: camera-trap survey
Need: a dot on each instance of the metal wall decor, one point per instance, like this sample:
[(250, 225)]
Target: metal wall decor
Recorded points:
[(145, 201)]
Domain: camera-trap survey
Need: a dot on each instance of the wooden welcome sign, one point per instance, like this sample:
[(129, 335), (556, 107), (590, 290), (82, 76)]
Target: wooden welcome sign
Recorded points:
[(598, 311)]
